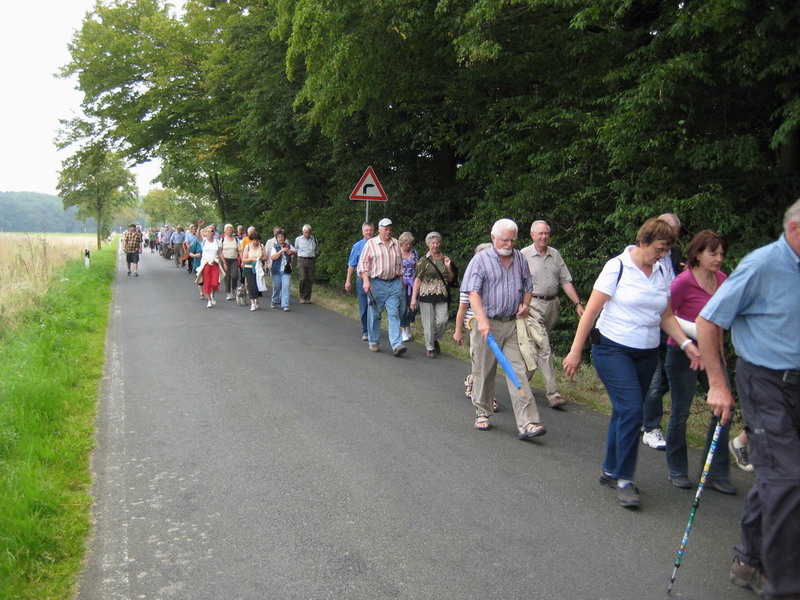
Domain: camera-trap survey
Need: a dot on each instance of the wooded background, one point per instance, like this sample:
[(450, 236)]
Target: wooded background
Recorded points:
[(592, 114)]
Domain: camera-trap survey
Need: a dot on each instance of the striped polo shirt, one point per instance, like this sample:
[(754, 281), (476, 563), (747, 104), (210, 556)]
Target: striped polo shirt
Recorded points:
[(501, 289)]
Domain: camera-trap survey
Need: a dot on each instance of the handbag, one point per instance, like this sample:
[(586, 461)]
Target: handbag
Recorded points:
[(439, 273)]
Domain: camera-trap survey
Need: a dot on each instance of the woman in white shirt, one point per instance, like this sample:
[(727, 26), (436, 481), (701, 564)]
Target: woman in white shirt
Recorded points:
[(230, 253), (210, 269), (633, 295)]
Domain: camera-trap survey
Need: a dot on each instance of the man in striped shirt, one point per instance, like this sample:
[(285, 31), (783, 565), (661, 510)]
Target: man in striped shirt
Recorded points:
[(499, 287), (380, 268)]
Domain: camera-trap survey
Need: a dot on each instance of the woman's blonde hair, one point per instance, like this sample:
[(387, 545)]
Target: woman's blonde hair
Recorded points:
[(406, 238)]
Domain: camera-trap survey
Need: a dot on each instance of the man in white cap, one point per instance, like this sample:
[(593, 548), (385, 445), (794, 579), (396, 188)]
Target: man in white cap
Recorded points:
[(381, 268)]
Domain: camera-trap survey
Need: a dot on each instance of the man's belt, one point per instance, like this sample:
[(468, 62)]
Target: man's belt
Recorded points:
[(543, 297), (381, 279), (503, 319), (791, 377)]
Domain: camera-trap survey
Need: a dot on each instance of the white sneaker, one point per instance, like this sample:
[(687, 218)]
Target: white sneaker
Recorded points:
[(253, 307), (655, 439), (406, 337), (209, 305), (213, 300)]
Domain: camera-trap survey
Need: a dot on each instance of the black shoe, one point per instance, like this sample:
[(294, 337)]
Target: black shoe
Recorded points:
[(608, 480), (681, 482), (436, 347), (400, 350), (136, 274), (723, 486), (628, 496), (129, 273)]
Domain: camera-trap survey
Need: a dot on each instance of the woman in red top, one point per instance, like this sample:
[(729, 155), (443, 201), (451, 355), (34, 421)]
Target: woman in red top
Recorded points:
[(689, 293)]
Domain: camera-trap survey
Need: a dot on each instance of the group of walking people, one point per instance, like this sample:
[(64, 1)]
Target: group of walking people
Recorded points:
[(632, 300), (239, 262), (635, 298)]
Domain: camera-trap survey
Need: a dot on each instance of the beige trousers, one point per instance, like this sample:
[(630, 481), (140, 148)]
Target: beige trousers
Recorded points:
[(485, 367), (546, 312)]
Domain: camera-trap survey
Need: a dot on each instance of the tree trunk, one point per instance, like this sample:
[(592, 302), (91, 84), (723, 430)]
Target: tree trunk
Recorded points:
[(99, 214), (789, 154), (216, 185)]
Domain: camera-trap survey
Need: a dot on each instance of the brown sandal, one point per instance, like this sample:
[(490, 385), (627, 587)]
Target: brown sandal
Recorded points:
[(482, 423), (468, 386)]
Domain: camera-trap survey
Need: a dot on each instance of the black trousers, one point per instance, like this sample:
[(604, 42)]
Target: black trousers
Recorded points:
[(770, 527)]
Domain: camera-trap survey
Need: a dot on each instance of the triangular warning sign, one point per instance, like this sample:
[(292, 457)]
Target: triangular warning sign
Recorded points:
[(369, 188)]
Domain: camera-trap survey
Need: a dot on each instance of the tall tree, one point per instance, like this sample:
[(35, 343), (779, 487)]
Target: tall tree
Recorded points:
[(96, 181)]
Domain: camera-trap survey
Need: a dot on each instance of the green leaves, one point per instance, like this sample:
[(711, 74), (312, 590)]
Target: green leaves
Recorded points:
[(96, 181)]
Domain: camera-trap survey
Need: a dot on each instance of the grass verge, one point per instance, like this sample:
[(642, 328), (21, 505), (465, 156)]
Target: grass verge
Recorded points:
[(51, 364)]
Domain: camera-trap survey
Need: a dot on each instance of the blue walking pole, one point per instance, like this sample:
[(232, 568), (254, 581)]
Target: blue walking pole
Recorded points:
[(502, 359), (711, 450)]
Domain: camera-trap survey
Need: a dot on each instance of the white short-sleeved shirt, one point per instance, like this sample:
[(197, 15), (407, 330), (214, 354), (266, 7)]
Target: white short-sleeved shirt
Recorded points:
[(210, 250), (633, 314)]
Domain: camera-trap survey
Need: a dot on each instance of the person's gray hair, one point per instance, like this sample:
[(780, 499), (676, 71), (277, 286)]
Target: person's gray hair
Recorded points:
[(482, 247), (432, 236), (542, 221), (406, 238), (250, 230), (502, 225), (792, 214), (672, 219), (306, 227)]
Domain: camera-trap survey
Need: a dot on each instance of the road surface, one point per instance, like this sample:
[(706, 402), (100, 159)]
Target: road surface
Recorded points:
[(269, 455)]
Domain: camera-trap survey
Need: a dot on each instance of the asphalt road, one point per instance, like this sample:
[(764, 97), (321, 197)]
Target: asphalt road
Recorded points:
[(246, 455)]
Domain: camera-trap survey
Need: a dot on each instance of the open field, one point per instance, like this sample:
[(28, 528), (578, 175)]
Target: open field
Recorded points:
[(27, 264)]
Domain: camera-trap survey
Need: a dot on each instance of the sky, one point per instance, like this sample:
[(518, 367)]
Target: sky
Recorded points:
[(33, 46)]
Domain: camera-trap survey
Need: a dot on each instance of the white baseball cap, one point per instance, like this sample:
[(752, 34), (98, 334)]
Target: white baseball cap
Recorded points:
[(385, 223)]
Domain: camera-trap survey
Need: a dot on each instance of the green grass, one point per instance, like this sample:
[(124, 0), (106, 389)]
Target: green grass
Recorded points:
[(51, 364)]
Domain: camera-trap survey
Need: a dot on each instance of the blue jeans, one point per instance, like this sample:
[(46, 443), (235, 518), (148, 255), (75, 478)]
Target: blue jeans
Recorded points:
[(626, 374), (281, 284), (363, 306), (654, 398), (386, 294), (682, 384)]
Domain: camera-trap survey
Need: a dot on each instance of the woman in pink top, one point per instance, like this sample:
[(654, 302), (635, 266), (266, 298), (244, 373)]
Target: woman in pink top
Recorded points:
[(689, 292)]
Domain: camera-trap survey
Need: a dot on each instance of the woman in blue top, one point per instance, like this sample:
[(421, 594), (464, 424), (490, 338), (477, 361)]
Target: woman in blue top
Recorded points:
[(195, 254), (633, 295), (281, 270)]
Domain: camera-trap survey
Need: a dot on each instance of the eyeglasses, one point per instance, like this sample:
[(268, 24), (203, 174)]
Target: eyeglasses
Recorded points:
[(541, 233)]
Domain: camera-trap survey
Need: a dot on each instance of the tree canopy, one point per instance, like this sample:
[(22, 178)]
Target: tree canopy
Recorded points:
[(592, 114), (96, 181)]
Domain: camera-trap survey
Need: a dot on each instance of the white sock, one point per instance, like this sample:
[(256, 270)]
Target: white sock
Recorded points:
[(737, 444), (621, 483)]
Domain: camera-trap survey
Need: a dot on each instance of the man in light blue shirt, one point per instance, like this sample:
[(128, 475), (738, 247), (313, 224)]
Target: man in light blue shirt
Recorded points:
[(760, 304), (178, 236), (189, 239), (367, 231)]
